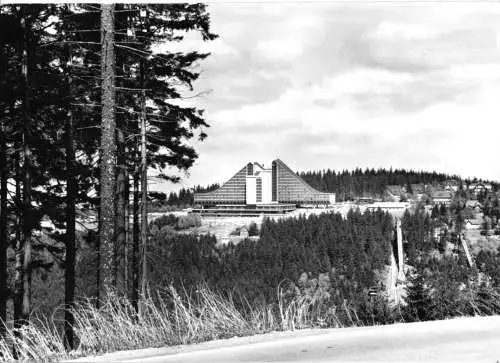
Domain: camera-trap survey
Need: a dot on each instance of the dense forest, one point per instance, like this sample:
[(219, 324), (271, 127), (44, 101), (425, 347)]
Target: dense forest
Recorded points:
[(350, 253), (339, 259), (88, 103)]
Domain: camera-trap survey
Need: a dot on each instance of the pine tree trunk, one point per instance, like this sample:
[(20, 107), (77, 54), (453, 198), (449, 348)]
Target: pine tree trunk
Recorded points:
[(26, 201), (4, 242), (144, 197), (126, 252), (108, 155), (135, 242), (71, 192), (26, 227), (121, 235), (18, 276)]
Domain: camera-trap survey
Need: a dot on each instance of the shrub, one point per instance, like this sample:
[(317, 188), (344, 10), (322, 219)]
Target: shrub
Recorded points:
[(419, 305), (165, 220), (191, 220), (253, 230)]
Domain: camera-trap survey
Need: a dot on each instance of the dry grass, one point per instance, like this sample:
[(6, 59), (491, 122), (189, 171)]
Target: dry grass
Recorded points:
[(159, 322), (307, 312), (171, 318), (38, 341), (165, 319)]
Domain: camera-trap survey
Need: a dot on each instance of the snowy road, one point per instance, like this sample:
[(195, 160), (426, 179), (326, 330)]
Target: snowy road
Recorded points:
[(465, 339)]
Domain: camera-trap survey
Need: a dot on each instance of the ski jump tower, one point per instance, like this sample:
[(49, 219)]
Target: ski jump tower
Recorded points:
[(399, 238), (396, 276)]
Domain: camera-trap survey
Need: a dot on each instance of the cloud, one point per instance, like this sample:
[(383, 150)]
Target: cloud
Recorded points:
[(282, 48), (343, 86), (391, 30), (482, 72), (442, 136)]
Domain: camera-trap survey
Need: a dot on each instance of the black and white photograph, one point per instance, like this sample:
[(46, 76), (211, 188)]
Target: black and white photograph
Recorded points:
[(250, 181)]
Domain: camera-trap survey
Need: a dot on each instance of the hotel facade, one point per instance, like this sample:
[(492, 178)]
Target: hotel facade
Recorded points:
[(256, 185)]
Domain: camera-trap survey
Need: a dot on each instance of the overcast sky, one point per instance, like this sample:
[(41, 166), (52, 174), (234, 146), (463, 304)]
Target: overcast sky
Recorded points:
[(414, 85)]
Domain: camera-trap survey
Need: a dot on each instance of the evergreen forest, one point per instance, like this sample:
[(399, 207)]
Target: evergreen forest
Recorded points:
[(337, 260)]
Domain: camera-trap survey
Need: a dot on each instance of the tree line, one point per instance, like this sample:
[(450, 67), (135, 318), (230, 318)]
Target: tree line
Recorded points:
[(184, 197), (348, 185), (88, 104)]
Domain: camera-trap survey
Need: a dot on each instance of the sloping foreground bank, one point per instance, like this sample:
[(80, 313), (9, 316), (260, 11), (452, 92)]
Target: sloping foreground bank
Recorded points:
[(475, 339)]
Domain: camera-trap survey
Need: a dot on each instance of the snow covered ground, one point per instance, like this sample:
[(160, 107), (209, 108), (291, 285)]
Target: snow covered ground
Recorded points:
[(465, 339)]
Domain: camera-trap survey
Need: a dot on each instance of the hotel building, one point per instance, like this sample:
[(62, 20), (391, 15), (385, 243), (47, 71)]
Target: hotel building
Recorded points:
[(256, 185)]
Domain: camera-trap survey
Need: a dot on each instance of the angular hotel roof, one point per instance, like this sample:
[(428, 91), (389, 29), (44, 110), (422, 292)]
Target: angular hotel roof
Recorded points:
[(287, 187)]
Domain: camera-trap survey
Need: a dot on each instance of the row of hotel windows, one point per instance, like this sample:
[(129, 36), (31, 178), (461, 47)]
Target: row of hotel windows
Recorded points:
[(232, 190), (259, 190), (274, 181)]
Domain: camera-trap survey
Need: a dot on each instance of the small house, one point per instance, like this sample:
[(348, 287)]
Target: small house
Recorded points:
[(442, 196), (473, 224), (396, 191), (244, 232), (418, 188)]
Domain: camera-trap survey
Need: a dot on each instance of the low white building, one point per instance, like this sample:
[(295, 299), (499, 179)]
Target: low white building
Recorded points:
[(393, 206), (473, 224)]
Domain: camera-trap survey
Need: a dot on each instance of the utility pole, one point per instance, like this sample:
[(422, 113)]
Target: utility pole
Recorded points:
[(144, 195), (107, 255)]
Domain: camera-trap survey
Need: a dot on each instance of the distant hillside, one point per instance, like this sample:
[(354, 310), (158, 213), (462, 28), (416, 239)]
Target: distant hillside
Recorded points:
[(349, 185), (346, 184)]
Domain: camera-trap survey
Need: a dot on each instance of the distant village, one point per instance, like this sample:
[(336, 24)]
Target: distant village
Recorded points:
[(472, 201)]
